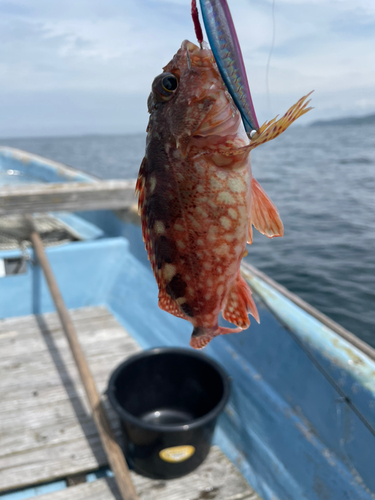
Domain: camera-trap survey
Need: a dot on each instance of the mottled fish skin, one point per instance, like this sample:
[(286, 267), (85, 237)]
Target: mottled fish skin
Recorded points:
[(195, 198)]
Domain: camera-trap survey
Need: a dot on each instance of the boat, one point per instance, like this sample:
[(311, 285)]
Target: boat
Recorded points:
[(300, 423)]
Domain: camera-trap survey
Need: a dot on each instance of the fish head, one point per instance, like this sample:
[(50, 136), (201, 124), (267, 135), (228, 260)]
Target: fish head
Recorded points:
[(189, 102)]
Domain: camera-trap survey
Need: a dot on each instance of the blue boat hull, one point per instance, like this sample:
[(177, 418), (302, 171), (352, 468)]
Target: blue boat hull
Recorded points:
[(300, 419)]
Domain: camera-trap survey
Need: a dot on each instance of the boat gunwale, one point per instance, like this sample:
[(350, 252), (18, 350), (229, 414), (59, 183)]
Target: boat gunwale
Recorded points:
[(62, 169), (315, 313)]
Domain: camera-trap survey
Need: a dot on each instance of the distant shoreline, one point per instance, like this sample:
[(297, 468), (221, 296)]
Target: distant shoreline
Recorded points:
[(348, 120)]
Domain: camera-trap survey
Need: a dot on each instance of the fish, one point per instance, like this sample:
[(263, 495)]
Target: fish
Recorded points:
[(197, 198)]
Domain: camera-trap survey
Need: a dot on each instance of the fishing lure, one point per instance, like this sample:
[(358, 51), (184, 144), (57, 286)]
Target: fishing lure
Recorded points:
[(226, 49)]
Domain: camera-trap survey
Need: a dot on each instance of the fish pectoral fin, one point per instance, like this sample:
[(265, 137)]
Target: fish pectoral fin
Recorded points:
[(250, 233), (201, 336), (167, 304), (264, 215), (239, 304)]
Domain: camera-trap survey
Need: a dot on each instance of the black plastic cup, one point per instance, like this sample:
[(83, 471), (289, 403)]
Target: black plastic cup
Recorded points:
[(168, 401)]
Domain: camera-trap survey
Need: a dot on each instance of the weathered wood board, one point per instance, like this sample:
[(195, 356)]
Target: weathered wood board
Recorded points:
[(46, 431), (215, 479), (69, 196)]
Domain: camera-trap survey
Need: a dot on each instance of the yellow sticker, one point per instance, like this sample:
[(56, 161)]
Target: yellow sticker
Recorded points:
[(177, 453)]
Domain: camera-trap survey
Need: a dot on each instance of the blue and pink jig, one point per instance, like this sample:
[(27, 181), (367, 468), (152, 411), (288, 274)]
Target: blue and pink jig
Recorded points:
[(226, 49)]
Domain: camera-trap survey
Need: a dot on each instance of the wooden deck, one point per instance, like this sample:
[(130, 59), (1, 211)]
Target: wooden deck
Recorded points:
[(46, 432)]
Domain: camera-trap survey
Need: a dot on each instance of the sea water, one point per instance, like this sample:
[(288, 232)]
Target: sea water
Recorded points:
[(322, 180)]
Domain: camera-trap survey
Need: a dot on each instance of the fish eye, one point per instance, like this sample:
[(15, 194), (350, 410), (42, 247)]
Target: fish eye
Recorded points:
[(169, 83), (164, 86)]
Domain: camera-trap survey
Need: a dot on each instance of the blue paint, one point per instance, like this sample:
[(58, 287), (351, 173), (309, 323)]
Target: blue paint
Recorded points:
[(270, 432), (285, 426), (317, 335), (33, 492), (38, 168), (281, 427), (84, 270), (83, 229), (99, 474)]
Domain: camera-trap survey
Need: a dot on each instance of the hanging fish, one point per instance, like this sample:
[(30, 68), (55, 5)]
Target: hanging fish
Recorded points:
[(197, 197)]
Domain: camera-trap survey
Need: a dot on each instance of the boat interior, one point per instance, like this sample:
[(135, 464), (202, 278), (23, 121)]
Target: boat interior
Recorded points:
[(301, 418)]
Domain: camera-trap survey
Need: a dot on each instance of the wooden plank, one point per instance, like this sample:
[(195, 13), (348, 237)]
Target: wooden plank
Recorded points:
[(70, 196), (215, 479), (46, 430)]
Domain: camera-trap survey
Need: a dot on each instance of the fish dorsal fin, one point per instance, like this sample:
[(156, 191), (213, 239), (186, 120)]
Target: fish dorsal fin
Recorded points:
[(264, 215)]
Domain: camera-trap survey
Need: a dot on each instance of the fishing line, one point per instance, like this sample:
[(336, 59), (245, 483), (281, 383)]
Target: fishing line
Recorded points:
[(270, 55)]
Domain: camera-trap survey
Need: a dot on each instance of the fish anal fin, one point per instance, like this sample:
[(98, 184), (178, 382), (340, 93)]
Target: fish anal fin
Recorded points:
[(264, 215), (201, 335), (167, 304), (239, 304)]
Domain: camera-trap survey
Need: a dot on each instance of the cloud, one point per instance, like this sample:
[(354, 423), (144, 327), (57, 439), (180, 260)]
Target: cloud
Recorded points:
[(78, 50)]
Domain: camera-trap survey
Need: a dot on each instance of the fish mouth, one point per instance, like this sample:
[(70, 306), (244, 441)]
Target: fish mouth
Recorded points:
[(201, 82), (190, 56), (192, 48)]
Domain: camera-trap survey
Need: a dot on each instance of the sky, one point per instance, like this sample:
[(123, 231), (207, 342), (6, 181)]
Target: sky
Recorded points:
[(72, 67)]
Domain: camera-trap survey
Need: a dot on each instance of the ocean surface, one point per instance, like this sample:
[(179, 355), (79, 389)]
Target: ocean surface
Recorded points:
[(322, 179)]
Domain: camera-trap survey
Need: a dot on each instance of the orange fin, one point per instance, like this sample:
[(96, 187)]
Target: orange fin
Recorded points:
[(239, 304), (272, 129), (250, 235), (167, 304), (201, 335), (264, 215)]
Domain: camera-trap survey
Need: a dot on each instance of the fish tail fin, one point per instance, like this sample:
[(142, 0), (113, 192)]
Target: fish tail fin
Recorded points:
[(202, 335), (270, 130), (239, 304)]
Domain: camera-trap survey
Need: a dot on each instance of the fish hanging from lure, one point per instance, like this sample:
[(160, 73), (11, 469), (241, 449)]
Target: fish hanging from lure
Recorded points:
[(197, 198)]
